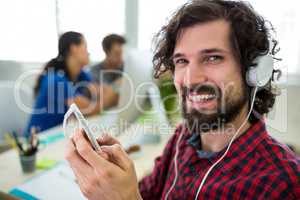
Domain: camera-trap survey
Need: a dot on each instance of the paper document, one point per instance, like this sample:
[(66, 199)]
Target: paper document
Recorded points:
[(56, 183)]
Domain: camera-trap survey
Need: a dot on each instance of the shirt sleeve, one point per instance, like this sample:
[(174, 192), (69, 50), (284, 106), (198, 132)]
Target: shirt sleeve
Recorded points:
[(151, 186)]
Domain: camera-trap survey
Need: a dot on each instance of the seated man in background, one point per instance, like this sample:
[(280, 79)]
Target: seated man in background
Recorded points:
[(107, 74), (222, 150)]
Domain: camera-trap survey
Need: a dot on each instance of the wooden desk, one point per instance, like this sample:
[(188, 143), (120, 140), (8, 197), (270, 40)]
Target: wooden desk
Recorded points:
[(11, 173)]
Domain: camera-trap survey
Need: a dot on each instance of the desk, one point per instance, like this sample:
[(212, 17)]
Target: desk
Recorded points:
[(11, 173)]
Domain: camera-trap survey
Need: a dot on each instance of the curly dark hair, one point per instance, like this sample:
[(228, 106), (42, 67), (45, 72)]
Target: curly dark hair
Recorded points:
[(250, 37)]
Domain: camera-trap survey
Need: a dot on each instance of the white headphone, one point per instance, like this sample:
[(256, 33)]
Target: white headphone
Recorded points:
[(257, 77), (260, 75)]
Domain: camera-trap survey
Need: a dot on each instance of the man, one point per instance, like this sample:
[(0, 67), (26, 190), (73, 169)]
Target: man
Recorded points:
[(209, 46), (112, 46), (108, 73)]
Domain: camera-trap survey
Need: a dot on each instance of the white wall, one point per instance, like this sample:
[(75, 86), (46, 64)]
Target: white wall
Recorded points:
[(285, 125)]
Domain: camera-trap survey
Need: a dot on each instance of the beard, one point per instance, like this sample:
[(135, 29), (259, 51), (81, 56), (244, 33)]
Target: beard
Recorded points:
[(229, 106)]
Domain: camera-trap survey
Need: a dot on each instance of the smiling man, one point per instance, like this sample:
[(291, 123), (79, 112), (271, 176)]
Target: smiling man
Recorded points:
[(222, 150)]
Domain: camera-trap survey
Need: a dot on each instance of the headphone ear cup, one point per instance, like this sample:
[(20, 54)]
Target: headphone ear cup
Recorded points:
[(251, 77), (260, 75)]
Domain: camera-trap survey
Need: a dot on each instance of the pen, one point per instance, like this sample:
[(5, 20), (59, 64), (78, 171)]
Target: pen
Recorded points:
[(34, 138), (17, 141), (33, 143)]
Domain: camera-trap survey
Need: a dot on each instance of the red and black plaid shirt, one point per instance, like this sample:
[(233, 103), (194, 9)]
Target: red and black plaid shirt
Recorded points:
[(256, 167)]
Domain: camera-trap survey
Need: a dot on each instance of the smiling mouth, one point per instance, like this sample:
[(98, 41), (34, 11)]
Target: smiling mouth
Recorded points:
[(202, 97), (202, 101), (198, 98)]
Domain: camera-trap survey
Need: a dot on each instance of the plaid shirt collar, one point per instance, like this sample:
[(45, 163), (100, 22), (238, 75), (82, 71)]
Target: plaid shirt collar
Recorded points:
[(242, 145)]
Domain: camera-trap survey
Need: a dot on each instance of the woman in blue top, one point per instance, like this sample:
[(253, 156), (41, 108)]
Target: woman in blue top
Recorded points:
[(62, 82)]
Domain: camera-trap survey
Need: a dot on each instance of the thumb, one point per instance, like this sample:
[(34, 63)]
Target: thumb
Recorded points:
[(118, 156), (106, 139)]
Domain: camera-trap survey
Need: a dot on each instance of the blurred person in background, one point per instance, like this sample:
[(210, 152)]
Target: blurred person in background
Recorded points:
[(107, 74), (62, 82)]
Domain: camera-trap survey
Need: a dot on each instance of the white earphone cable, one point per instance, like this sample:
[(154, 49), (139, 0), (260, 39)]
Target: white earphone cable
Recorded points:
[(229, 145), (218, 161), (175, 166)]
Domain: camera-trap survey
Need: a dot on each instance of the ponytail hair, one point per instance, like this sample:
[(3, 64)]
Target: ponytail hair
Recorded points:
[(59, 63)]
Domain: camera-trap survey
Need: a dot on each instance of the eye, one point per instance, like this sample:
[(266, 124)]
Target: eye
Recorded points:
[(214, 59), (180, 62)]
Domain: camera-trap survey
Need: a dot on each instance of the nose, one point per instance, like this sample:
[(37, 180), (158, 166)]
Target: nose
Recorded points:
[(194, 74)]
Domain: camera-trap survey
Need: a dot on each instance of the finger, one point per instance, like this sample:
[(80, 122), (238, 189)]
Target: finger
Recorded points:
[(86, 176), (79, 166), (106, 139), (118, 155), (87, 153), (104, 155)]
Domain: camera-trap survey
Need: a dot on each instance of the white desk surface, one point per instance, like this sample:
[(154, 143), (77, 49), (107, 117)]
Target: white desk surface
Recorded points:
[(11, 173)]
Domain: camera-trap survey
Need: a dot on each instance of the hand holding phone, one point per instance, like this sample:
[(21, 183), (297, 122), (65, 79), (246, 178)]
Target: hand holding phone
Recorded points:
[(82, 122)]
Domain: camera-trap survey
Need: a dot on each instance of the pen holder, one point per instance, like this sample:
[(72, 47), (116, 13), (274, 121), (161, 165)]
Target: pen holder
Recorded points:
[(28, 163)]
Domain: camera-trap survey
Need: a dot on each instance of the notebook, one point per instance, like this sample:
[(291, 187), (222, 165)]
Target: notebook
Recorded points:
[(56, 183)]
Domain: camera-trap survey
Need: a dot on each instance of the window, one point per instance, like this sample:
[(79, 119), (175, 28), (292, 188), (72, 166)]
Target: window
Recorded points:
[(152, 16), (94, 19), (28, 30), (284, 17)]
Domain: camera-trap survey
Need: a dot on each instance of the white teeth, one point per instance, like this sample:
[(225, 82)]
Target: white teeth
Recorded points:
[(201, 97)]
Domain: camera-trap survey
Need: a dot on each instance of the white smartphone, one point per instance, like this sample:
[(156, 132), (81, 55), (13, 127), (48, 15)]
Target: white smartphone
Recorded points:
[(83, 123)]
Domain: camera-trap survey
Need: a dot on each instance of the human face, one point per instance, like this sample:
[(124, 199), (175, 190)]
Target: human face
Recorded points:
[(80, 56), (208, 76), (115, 55), (80, 53)]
